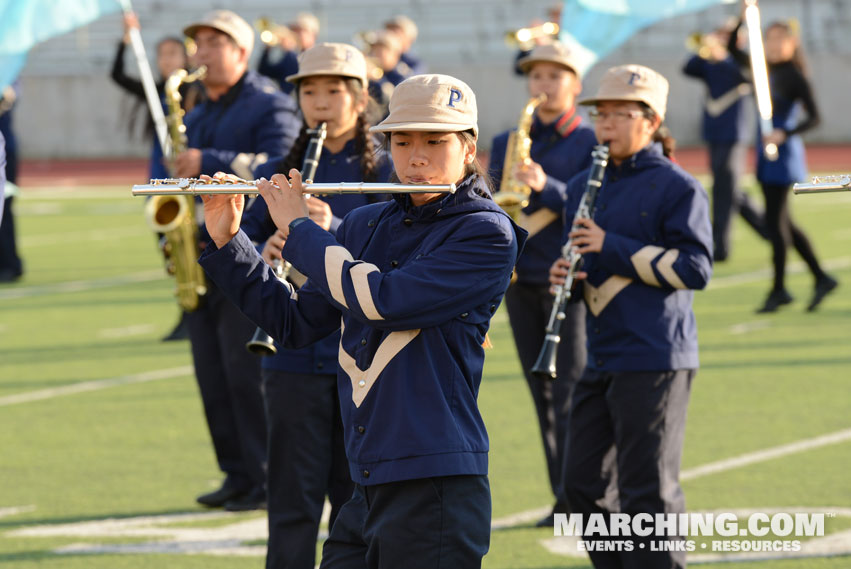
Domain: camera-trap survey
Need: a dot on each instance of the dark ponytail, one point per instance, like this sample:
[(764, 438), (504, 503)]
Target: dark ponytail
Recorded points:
[(663, 133)]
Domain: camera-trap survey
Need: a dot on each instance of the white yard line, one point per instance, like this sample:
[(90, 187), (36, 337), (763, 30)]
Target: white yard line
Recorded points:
[(86, 386), (82, 286), (705, 470), (835, 264)]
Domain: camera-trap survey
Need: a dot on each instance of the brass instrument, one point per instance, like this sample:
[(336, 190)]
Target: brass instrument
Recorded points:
[(273, 35), (513, 195), (524, 38), (262, 343), (197, 187), (545, 365), (702, 44), (174, 217), (823, 184)]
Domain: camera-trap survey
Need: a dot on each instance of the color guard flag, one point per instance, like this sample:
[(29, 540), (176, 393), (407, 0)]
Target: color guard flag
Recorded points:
[(594, 28), (25, 23)]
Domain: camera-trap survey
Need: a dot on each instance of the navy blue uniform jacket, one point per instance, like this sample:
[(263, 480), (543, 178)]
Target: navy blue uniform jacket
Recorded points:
[(343, 166), (724, 117), (413, 289), (562, 148), (657, 249)]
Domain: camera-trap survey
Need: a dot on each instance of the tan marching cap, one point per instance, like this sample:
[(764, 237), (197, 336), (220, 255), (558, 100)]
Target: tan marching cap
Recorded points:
[(331, 59), (226, 22), (431, 103), (386, 38), (633, 83), (554, 52), (405, 23), (306, 21)]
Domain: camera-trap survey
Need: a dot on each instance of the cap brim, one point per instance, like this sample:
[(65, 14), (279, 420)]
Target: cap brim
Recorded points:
[(526, 62), (295, 78), (595, 100), (424, 126)]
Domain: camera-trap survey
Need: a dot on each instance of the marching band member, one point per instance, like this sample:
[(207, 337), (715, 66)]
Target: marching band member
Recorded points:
[(406, 32), (303, 33), (647, 248), (561, 147), (385, 50), (11, 265), (171, 56), (244, 120), (725, 131), (306, 455), (412, 284), (790, 92)]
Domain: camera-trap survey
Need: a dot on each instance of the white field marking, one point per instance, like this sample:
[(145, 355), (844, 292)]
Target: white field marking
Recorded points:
[(747, 327), (836, 264), (832, 545), (48, 193), (14, 510), (766, 454), (81, 286), (706, 469), (38, 208), (224, 540), (842, 234), (86, 386), (124, 332), (88, 235)]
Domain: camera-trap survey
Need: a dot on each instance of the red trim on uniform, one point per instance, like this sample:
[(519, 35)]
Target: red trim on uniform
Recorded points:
[(568, 122)]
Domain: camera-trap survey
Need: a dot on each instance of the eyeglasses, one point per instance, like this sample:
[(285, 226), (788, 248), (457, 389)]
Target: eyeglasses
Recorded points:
[(617, 116)]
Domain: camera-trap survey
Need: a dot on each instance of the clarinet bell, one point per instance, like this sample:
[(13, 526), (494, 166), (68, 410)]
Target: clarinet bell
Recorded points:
[(261, 344), (545, 366)]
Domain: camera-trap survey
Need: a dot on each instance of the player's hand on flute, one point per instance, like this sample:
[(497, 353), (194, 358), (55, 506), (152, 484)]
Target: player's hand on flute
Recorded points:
[(285, 199), (222, 213)]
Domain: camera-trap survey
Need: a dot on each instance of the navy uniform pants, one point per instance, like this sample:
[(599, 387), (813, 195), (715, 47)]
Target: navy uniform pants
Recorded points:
[(307, 460), (427, 523), (624, 447), (229, 380), (728, 163), (529, 308)]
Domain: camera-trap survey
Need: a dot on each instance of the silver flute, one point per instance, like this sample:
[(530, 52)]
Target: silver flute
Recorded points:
[(822, 184), (198, 187)]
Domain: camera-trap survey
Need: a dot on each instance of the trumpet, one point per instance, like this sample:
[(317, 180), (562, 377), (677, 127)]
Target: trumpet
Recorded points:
[(272, 34), (823, 184), (198, 187), (702, 44), (523, 37)]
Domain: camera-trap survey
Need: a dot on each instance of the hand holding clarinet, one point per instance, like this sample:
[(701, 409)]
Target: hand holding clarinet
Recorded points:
[(585, 237)]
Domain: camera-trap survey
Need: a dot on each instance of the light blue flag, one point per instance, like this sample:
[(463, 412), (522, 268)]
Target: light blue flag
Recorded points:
[(594, 28), (25, 23)]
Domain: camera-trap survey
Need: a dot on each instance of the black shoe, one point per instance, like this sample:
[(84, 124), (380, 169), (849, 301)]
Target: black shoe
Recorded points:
[(220, 497), (775, 300), (254, 500), (824, 286), (9, 275), (180, 332)]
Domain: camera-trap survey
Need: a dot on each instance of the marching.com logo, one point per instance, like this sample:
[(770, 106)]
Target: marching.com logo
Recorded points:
[(624, 532)]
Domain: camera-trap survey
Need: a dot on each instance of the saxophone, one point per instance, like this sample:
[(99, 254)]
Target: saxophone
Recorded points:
[(174, 216), (513, 195)]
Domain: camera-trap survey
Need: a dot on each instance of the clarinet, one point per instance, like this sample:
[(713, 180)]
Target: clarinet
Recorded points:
[(262, 343), (545, 366)]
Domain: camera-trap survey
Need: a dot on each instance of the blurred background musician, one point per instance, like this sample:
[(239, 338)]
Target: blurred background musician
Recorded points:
[(725, 130), (794, 112), (307, 458), (11, 265), (406, 32), (291, 40), (561, 145), (243, 122)]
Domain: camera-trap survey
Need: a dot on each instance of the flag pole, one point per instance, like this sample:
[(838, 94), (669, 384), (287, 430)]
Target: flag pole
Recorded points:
[(154, 103)]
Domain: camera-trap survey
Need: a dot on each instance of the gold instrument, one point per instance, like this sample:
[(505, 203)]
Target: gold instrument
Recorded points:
[(524, 38), (701, 44), (174, 216), (513, 195), (197, 187), (273, 35), (823, 184)]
